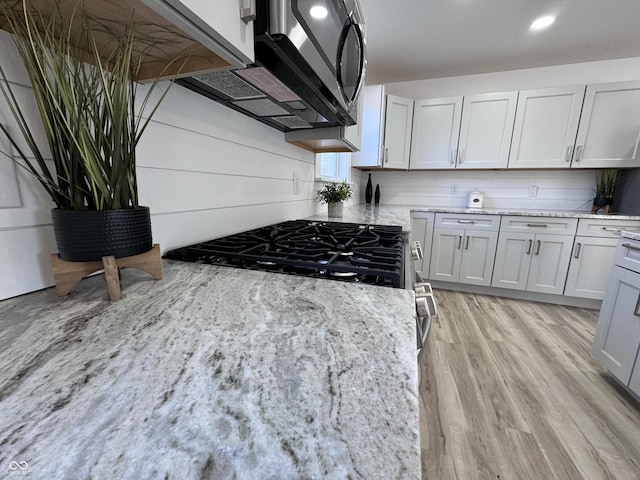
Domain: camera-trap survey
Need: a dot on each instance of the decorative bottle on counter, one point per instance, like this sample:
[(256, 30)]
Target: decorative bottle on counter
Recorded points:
[(377, 197), (368, 193)]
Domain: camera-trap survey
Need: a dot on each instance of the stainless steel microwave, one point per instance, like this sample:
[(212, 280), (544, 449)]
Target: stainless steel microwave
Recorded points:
[(309, 66)]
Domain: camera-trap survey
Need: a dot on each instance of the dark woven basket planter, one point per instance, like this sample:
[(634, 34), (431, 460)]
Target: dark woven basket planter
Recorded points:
[(89, 235)]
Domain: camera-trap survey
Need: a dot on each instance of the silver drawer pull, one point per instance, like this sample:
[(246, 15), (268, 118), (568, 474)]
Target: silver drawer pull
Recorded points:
[(613, 230), (247, 10), (541, 225), (466, 245), (631, 247), (459, 241), (467, 221), (578, 247), (453, 156), (538, 243), (636, 311), (529, 247)]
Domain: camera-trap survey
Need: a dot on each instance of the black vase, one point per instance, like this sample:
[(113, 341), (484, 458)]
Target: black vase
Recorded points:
[(377, 195), (368, 193), (89, 235)]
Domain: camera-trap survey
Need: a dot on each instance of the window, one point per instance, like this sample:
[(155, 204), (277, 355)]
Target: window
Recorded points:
[(333, 167)]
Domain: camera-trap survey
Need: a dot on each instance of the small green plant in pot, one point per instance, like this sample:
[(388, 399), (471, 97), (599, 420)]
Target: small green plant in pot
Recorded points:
[(334, 194), (606, 183), (92, 122)]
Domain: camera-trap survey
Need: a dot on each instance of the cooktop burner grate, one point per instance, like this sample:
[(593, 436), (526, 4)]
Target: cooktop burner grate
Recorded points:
[(364, 253)]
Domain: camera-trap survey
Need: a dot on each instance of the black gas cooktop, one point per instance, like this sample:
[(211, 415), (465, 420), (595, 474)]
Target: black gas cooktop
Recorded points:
[(364, 253)]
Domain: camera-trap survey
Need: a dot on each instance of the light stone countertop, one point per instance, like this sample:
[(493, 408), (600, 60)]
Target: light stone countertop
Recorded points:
[(401, 214), (213, 372)]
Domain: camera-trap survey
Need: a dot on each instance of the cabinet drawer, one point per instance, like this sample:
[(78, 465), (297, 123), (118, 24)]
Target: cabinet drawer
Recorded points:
[(595, 227), (548, 225), (628, 254), (467, 221)]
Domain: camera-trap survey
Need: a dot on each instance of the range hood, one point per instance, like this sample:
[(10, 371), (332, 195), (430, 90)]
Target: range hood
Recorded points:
[(307, 75)]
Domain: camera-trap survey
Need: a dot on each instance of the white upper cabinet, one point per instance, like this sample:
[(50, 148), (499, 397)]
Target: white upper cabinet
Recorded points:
[(436, 127), (545, 127), (397, 132), (386, 130), (370, 155), (485, 131), (610, 127), (216, 25)]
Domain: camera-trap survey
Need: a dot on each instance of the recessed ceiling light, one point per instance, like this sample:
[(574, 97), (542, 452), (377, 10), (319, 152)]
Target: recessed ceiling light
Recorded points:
[(318, 12), (542, 23)]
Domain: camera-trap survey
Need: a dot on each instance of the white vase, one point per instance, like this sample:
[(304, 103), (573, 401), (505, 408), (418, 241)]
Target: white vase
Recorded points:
[(335, 209)]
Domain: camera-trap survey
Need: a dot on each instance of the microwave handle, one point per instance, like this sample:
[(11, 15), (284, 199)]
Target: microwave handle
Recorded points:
[(349, 24)]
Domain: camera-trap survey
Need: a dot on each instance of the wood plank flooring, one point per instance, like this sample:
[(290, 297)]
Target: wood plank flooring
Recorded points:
[(509, 390)]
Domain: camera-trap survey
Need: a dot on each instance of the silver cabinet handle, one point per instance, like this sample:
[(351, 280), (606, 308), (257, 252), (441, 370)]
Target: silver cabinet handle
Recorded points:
[(466, 245), (386, 155), (631, 247), (459, 241), (636, 310), (460, 154), (613, 230), (538, 243), (529, 247), (578, 155), (578, 247), (541, 225), (247, 10), (569, 153), (453, 156), (467, 221)]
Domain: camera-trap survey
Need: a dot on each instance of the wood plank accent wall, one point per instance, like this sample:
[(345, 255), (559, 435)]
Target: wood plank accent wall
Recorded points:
[(204, 170), (556, 190)]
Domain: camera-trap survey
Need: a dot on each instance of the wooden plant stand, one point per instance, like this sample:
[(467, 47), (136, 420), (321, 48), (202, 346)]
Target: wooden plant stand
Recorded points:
[(68, 274)]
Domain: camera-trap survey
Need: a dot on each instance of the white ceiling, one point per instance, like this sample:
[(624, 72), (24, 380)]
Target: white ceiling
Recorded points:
[(418, 39)]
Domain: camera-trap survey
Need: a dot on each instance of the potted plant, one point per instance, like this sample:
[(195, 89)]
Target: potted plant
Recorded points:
[(606, 182), (92, 120), (333, 194)]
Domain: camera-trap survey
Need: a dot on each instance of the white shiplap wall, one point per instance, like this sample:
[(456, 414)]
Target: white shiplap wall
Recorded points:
[(556, 190), (204, 170)]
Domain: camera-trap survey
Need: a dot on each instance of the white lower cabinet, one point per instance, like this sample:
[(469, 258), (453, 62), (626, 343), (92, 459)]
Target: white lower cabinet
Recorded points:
[(422, 231), (532, 261), (465, 254), (617, 340), (587, 277)]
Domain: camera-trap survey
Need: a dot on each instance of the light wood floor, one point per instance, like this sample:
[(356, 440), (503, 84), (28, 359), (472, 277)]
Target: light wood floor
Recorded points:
[(509, 391)]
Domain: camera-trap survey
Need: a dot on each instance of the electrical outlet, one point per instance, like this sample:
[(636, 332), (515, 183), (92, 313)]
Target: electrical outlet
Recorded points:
[(296, 183), (454, 190), (533, 191)]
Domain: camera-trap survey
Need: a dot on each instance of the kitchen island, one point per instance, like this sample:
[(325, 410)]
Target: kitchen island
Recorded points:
[(212, 372)]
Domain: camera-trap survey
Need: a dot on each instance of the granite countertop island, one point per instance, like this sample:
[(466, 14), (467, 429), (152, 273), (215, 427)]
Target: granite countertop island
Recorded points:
[(212, 372)]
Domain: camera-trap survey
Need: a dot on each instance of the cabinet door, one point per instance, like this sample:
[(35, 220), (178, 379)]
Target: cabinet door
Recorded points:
[(446, 254), (589, 267), (545, 127), (436, 127), (485, 131), (549, 263), (609, 127), (513, 257), (397, 132), (615, 344), (634, 381), (478, 255), (370, 154), (422, 231), (216, 25)]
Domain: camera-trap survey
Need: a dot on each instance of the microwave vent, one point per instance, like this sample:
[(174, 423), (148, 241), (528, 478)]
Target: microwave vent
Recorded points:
[(262, 107), (292, 122), (229, 84)]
